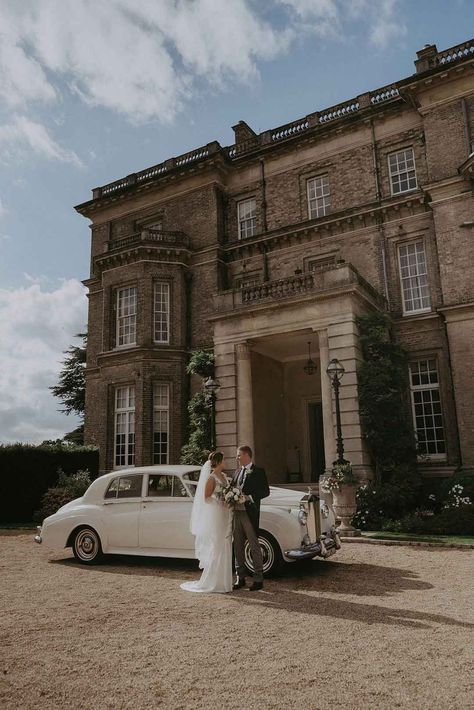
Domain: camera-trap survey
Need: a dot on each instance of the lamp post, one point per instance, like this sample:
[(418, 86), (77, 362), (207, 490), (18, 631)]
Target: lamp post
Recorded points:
[(212, 387), (335, 371)]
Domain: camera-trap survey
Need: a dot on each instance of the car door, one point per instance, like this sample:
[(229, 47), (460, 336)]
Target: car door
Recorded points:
[(122, 503), (165, 515)]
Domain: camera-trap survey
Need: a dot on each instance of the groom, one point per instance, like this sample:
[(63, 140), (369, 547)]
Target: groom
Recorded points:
[(252, 480)]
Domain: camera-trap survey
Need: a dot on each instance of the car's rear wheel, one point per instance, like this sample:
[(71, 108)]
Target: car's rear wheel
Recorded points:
[(271, 553), (86, 546)]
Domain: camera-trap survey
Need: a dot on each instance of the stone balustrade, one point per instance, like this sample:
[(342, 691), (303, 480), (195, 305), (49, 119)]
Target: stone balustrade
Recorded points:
[(149, 236), (331, 277), (428, 58)]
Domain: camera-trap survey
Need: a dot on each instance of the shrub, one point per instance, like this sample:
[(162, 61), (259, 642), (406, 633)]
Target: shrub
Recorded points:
[(28, 470), (201, 364), (68, 488), (385, 501)]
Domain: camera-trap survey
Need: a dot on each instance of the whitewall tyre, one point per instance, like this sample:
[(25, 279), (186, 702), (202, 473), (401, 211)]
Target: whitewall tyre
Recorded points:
[(272, 557), (86, 546)]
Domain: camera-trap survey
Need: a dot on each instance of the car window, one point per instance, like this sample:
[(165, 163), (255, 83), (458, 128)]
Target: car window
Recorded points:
[(129, 486), (111, 491), (164, 486), (191, 476)]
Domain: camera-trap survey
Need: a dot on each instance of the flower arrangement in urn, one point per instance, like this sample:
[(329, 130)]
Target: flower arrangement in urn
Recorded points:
[(342, 483), (341, 475)]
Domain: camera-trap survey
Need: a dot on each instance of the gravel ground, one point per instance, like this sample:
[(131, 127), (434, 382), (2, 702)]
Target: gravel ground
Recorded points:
[(375, 627)]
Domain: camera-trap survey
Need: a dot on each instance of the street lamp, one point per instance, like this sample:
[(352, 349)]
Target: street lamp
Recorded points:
[(335, 371), (212, 387)]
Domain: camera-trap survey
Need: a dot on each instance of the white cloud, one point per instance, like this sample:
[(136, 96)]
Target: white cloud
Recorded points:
[(21, 136), (3, 209), (37, 325), (146, 59), (333, 18)]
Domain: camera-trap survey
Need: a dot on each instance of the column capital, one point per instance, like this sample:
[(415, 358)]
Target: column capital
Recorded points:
[(242, 351), (323, 338)]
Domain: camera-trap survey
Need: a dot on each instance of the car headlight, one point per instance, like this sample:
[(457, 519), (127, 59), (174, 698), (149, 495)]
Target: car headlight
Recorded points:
[(302, 516), (324, 510)]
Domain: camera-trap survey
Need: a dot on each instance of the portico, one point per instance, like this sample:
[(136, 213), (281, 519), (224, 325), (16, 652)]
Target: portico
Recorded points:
[(267, 400)]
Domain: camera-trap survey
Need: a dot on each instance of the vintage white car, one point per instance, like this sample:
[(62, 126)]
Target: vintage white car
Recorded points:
[(146, 511)]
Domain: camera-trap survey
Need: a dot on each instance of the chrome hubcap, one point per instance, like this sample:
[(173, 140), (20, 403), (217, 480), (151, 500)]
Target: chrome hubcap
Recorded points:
[(86, 544), (268, 555)]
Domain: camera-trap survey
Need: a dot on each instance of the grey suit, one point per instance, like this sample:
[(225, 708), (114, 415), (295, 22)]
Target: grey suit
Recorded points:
[(246, 521)]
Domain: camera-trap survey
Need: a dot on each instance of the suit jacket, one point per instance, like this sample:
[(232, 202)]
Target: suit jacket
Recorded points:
[(255, 485)]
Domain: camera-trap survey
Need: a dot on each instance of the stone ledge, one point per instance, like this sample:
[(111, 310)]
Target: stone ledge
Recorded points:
[(409, 543)]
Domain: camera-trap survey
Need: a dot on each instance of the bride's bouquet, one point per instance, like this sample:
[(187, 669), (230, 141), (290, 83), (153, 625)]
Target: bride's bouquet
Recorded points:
[(232, 495)]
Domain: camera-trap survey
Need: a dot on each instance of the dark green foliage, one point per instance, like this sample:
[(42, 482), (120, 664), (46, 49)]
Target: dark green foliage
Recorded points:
[(383, 387), (76, 436), (197, 447), (71, 388), (450, 511), (67, 488), (196, 450), (27, 471), (449, 521), (385, 416), (385, 501), (201, 363)]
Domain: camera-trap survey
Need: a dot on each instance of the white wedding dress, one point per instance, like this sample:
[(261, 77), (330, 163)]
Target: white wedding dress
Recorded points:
[(211, 524)]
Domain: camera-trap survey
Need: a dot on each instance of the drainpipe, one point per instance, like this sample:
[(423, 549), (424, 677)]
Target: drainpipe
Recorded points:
[(467, 127), (378, 197), (264, 196)]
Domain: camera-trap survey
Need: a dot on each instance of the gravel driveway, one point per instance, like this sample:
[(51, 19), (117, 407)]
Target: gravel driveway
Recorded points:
[(375, 627)]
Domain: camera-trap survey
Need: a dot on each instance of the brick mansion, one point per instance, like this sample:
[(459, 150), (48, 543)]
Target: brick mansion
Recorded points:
[(267, 251)]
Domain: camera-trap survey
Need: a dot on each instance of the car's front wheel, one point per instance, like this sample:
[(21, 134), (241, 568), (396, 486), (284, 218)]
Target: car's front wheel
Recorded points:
[(271, 553), (86, 546)]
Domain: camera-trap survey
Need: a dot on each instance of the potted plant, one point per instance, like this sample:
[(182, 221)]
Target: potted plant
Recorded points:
[(342, 483)]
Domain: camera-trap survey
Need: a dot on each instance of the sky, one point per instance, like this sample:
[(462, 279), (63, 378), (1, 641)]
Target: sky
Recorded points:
[(92, 91)]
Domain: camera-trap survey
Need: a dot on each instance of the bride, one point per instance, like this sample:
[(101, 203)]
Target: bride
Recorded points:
[(211, 524)]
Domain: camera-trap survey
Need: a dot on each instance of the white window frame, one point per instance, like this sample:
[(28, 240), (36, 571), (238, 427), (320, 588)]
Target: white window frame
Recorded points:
[(247, 222), (319, 205), (161, 411), (426, 401), (124, 418), (396, 172), (126, 324), (420, 279), (164, 314)]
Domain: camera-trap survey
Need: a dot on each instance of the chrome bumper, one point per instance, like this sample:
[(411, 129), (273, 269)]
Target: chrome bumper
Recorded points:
[(38, 537), (325, 547)]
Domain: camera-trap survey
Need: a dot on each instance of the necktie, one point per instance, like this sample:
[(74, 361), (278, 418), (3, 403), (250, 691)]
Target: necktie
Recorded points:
[(241, 476)]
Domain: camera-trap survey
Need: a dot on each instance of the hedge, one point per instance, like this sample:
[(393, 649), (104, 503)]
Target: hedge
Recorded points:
[(27, 471)]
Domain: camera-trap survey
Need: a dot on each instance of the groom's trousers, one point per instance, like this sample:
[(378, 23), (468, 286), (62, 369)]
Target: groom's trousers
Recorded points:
[(244, 530)]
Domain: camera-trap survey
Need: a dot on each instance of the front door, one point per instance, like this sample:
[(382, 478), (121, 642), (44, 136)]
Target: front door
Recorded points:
[(316, 440)]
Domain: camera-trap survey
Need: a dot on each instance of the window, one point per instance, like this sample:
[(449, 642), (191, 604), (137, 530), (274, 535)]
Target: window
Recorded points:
[(247, 218), (124, 426), (161, 407), (320, 264), (126, 316), (402, 171), (161, 312), (319, 199), (125, 487), (163, 486), (414, 277), (426, 405)]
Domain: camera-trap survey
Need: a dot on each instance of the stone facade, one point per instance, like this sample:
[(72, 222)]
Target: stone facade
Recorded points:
[(297, 279)]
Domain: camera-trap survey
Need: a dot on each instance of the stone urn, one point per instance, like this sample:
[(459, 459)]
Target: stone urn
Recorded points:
[(345, 507)]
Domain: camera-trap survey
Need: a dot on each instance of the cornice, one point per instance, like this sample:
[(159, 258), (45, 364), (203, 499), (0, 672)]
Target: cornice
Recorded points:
[(338, 224)]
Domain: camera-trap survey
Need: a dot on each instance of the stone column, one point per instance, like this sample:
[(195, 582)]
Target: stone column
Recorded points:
[(244, 395), (326, 398)]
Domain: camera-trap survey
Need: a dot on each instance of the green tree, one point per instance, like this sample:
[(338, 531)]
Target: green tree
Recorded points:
[(71, 387)]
